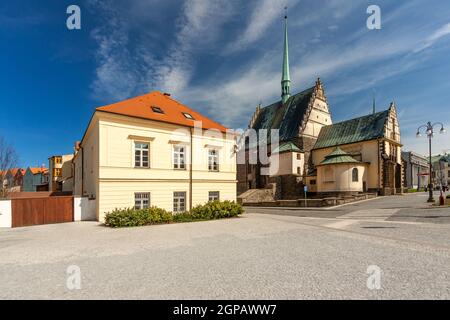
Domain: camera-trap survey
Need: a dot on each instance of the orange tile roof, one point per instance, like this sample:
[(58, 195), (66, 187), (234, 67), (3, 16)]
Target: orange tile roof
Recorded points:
[(37, 170), (141, 107), (14, 171)]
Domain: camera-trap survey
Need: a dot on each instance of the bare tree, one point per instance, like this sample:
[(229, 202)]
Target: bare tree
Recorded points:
[(8, 159)]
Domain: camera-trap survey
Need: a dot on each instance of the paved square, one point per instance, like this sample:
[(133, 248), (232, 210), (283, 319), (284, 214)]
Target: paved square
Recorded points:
[(259, 256)]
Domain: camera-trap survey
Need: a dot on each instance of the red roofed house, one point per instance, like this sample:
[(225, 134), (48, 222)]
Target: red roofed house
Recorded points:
[(138, 153)]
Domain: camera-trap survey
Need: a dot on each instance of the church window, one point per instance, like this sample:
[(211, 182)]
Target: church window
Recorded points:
[(355, 177), (329, 175)]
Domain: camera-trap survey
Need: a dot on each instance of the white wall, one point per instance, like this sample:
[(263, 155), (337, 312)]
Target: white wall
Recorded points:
[(5, 214), (84, 209)]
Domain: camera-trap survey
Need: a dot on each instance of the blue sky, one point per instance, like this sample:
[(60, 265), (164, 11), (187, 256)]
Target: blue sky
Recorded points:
[(220, 57)]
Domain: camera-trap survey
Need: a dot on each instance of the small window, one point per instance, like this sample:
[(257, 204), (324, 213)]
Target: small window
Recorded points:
[(157, 110), (141, 200), (188, 116), (355, 177), (179, 202), (179, 157), (299, 156), (58, 160), (213, 196), (312, 182), (57, 172), (299, 170), (141, 155), (213, 160)]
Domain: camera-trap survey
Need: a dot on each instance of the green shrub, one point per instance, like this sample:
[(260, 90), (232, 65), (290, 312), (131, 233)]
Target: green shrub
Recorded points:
[(448, 196), (216, 210), (134, 218)]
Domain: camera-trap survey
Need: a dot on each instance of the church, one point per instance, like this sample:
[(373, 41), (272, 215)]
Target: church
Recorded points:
[(360, 155)]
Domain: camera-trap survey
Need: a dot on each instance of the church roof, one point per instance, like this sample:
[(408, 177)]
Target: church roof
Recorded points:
[(286, 147), (355, 130), (338, 156), (287, 118)]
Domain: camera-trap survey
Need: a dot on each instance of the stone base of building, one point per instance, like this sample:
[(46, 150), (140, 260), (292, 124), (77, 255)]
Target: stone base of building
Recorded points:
[(312, 202)]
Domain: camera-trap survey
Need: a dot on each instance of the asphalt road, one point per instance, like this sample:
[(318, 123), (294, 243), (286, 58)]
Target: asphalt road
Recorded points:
[(258, 256)]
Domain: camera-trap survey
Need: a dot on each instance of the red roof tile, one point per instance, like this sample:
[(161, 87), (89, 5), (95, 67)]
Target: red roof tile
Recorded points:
[(141, 107)]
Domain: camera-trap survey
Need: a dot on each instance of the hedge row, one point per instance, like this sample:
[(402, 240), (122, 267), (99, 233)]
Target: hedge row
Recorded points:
[(133, 218)]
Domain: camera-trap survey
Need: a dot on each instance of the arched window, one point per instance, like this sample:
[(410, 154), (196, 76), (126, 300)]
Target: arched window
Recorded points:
[(355, 177)]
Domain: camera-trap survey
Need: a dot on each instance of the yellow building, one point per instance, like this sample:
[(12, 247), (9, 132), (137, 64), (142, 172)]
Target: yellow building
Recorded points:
[(372, 142), (61, 173), (153, 151)]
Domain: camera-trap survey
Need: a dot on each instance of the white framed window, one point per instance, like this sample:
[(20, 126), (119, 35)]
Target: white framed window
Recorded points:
[(179, 202), (141, 154), (141, 200), (213, 160), (179, 157), (213, 196)]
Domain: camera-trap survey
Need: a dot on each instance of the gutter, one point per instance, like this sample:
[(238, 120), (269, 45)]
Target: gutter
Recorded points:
[(191, 151)]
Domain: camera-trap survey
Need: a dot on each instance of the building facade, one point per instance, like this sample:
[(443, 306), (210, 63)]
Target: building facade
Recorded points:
[(35, 179), (441, 170), (153, 151), (368, 157), (373, 141), (416, 170), (61, 173), (297, 119)]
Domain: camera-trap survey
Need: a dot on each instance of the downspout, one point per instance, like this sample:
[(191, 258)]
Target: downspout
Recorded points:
[(82, 170), (379, 169), (190, 170)]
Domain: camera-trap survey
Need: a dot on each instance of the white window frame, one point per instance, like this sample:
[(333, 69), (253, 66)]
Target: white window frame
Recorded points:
[(177, 156), (139, 162), (179, 201), (213, 167), (140, 198), (215, 197)]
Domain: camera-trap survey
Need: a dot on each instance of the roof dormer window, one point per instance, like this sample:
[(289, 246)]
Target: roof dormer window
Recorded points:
[(157, 110), (188, 116)]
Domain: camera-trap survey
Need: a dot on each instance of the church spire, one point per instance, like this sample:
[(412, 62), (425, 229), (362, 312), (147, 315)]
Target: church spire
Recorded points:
[(285, 79)]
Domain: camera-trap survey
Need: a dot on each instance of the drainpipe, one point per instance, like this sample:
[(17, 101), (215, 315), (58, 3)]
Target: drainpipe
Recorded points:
[(82, 170), (190, 170)]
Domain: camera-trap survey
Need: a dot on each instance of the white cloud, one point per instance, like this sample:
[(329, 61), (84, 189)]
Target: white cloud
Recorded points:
[(125, 68), (263, 16), (436, 36)]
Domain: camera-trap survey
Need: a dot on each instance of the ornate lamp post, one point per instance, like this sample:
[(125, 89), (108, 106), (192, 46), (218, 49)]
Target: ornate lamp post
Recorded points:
[(429, 130)]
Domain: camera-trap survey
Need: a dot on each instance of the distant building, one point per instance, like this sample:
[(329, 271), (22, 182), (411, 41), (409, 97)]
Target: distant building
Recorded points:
[(441, 170), (14, 179), (416, 170), (35, 179), (61, 173)]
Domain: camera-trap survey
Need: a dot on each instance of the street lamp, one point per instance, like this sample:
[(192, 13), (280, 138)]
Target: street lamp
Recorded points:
[(429, 130)]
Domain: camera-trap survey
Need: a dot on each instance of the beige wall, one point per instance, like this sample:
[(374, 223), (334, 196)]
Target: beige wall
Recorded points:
[(318, 118), (339, 178), (111, 177), (369, 153), (286, 163)]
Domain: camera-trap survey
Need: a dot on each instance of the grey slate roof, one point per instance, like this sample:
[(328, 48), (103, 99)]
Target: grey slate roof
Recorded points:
[(287, 118), (355, 130)]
